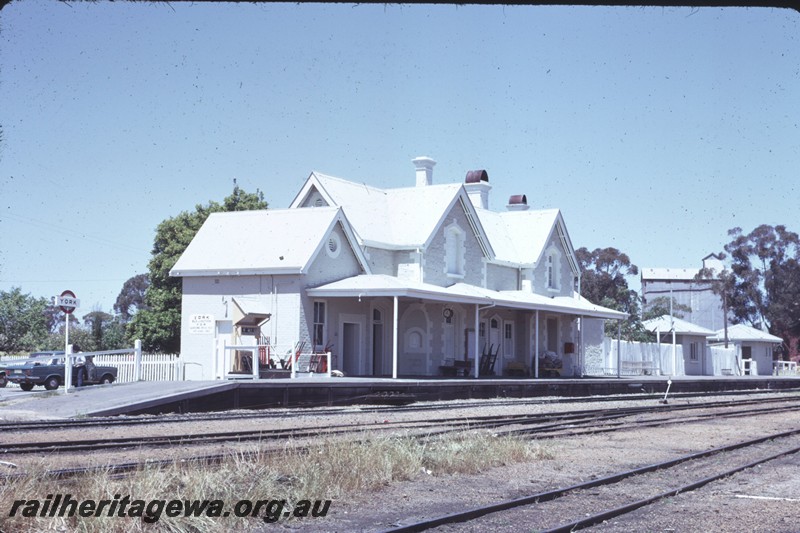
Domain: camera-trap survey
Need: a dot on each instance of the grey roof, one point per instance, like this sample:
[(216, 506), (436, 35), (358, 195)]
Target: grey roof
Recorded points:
[(383, 285), (744, 333), (666, 323), (272, 241)]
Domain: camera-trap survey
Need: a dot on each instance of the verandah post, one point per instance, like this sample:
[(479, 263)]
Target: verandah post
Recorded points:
[(137, 360)]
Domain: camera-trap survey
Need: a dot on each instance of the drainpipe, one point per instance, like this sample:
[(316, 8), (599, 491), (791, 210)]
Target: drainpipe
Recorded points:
[(419, 263), (394, 340), (583, 352), (619, 347), (536, 347)]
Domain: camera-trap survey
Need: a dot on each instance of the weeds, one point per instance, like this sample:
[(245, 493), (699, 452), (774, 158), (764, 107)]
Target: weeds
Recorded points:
[(327, 471)]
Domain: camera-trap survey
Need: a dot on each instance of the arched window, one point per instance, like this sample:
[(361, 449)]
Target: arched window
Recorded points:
[(454, 250), (552, 269)]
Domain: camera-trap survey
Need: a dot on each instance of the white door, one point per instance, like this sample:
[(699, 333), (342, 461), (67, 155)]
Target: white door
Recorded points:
[(223, 333)]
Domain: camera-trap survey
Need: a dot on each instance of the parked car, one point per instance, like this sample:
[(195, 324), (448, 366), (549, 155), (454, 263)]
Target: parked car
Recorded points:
[(32, 357), (47, 369)]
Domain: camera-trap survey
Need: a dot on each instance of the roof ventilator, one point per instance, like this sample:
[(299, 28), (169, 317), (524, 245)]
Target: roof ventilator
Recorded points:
[(477, 185), (518, 202)]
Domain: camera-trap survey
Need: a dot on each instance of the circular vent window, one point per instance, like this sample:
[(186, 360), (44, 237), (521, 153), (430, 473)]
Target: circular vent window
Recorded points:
[(334, 245)]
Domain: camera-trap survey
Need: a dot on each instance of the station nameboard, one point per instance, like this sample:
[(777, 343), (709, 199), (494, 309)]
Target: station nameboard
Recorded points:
[(201, 324)]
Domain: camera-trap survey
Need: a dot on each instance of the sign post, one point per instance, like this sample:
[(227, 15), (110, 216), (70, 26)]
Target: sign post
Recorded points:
[(67, 302)]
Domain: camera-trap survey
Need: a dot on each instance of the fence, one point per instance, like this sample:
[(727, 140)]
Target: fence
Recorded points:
[(155, 366), (151, 367), (649, 358), (723, 361), (638, 358)]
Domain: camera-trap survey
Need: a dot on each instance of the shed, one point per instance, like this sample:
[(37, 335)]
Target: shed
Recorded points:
[(751, 345), (696, 358)]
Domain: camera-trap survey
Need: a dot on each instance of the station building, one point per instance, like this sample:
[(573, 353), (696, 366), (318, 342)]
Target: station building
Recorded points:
[(414, 281)]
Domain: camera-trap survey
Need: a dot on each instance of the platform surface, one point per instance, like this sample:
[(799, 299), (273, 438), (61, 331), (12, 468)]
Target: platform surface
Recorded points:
[(121, 398)]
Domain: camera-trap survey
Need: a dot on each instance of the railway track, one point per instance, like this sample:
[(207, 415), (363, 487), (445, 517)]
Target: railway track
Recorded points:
[(557, 425), (271, 414), (587, 504), (547, 425)]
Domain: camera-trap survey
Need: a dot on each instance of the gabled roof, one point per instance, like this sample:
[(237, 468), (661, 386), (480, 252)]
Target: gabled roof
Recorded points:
[(271, 241), (666, 323), (388, 286), (520, 237), (745, 333), (403, 218)]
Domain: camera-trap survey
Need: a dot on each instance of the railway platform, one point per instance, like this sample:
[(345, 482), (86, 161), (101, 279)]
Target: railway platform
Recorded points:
[(153, 397)]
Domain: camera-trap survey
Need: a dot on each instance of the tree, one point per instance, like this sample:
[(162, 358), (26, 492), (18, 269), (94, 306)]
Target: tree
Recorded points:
[(23, 324), (603, 282), (763, 287), (158, 325), (722, 284), (660, 306), (131, 297), (97, 321)]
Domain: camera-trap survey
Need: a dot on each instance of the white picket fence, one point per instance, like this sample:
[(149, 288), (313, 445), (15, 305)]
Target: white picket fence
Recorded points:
[(636, 358), (650, 358), (155, 366)]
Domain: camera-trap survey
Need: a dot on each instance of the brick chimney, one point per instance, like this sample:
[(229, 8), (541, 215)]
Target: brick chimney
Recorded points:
[(424, 170), (477, 185)]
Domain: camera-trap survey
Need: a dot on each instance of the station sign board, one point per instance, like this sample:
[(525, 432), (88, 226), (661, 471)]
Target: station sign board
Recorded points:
[(67, 302)]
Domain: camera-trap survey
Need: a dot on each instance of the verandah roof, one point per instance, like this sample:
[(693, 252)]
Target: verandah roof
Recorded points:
[(389, 286)]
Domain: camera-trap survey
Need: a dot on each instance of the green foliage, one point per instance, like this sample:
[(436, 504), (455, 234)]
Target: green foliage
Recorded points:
[(131, 297), (659, 306), (23, 323), (158, 322), (762, 286), (603, 282)]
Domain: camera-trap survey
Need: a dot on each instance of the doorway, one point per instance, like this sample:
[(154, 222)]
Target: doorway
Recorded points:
[(350, 333)]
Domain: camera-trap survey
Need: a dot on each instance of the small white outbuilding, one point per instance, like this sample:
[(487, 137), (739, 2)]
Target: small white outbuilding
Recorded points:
[(693, 359), (754, 348)]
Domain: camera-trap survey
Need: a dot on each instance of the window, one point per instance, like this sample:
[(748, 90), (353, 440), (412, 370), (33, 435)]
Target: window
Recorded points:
[(693, 351), (552, 267), (552, 335), (318, 330), (508, 339), (334, 245), (454, 250)]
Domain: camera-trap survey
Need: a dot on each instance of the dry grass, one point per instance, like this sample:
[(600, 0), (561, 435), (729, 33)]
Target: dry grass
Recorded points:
[(328, 471)]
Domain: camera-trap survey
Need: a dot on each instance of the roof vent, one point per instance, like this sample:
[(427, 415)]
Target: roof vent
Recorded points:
[(477, 176), (424, 170), (518, 202), (477, 185)]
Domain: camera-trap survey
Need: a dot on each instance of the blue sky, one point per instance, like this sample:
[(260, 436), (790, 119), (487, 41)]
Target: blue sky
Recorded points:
[(654, 130)]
